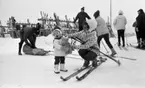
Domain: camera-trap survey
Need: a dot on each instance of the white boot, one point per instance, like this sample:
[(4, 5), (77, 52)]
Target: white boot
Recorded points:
[(62, 68), (56, 69)]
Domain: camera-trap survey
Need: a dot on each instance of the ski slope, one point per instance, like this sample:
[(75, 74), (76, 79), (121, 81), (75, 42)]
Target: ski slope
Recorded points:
[(28, 71)]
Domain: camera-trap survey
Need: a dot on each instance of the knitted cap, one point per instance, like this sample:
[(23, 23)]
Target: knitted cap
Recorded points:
[(92, 24), (120, 12), (56, 32)]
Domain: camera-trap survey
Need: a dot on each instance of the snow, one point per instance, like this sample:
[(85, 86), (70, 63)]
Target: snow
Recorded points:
[(28, 71)]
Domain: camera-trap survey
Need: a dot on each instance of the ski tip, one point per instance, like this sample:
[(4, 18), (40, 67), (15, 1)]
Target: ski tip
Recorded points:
[(78, 79), (63, 79)]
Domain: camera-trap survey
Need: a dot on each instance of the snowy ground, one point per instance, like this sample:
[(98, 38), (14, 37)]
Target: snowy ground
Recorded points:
[(37, 71)]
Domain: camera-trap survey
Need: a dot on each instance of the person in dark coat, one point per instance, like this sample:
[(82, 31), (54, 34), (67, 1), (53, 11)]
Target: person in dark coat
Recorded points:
[(81, 17), (28, 33), (141, 26), (136, 31)]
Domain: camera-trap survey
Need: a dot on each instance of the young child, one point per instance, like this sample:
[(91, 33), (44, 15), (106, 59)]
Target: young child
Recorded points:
[(61, 49)]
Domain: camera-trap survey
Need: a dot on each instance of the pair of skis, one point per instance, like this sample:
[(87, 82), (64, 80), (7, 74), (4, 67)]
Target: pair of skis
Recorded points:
[(90, 69)]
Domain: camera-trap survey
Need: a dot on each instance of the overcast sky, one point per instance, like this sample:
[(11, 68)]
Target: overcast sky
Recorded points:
[(30, 9)]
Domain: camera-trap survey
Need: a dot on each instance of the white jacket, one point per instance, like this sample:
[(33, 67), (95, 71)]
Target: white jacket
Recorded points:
[(57, 48), (120, 22), (101, 26)]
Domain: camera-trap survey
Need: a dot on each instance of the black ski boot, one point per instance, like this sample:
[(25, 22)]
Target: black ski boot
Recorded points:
[(86, 63), (94, 63)]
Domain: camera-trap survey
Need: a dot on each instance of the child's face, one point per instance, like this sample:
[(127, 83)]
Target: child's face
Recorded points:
[(58, 34)]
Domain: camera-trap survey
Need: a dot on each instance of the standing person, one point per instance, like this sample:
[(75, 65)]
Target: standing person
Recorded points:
[(88, 49), (81, 17), (141, 26), (120, 23), (102, 31), (61, 49)]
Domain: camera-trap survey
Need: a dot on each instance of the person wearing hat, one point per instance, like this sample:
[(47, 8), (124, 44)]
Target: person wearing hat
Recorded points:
[(120, 25), (88, 48), (140, 19), (61, 48), (81, 17), (103, 31)]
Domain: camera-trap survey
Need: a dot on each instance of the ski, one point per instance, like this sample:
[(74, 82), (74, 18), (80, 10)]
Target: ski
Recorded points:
[(125, 57), (112, 58), (73, 74), (91, 69), (136, 47)]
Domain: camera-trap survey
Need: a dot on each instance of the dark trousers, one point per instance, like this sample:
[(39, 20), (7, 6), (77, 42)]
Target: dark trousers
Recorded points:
[(137, 36), (106, 38), (87, 54), (80, 27), (59, 60), (121, 35)]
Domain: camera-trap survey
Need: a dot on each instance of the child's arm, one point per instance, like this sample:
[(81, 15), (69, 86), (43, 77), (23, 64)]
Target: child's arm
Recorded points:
[(74, 34)]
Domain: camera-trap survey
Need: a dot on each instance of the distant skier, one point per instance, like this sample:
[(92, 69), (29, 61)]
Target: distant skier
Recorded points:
[(140, 19), (103, 31), (28, 33), (81, 17), (88, 49), (61, 49), (120, 25)]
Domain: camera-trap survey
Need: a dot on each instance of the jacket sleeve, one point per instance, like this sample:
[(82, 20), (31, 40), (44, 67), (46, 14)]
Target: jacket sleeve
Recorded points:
[(115, 21), (88, 16), (88, 44), (125, 21), (74, 34), (92, 41), (76, 18)]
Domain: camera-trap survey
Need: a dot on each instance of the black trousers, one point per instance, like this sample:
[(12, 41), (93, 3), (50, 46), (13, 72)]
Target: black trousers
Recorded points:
[(106, 38), (121, 35), (59, 60), (87, 54), (80, 27)]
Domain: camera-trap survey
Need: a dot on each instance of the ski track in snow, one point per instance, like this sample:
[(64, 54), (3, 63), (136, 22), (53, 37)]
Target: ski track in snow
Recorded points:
[(28, 71)]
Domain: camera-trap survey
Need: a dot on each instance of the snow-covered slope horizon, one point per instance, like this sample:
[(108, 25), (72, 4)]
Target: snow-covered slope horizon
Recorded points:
[(28, 71)]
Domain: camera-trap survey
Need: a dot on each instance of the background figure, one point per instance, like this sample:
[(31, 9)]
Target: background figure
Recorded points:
[(102, 31), (136, 31), (120, 23), (140, 19), (81, 17), (28, 33)]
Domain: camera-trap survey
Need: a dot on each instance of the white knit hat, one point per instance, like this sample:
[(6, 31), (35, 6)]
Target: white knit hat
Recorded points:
[(92, 24), (120, 12), (56, 32)]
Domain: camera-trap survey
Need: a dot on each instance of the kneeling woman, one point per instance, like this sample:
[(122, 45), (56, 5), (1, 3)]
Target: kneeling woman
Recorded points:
[(88, 49)]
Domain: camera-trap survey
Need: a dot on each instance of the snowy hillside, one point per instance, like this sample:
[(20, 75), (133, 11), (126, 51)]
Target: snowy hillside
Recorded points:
[(37, 71)]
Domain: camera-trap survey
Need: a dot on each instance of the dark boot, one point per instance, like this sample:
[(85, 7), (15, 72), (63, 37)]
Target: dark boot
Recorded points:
[(20, 46), (94, 63), (86, 63)]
